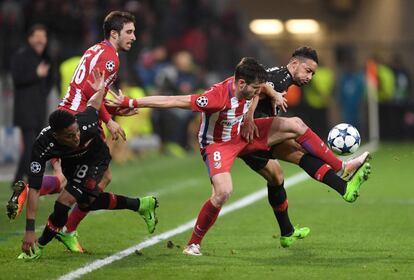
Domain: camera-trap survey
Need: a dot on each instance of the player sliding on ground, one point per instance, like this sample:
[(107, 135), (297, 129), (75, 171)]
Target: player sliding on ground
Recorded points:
[(85, 157), (223, 107)]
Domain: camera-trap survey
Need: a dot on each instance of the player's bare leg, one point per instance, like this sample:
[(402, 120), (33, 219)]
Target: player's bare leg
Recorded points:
[(222, 189)]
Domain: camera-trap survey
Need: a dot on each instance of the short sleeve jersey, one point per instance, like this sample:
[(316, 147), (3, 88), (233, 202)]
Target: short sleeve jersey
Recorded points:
[(280, 79), (221, 113), (102, 56), (46, 147)]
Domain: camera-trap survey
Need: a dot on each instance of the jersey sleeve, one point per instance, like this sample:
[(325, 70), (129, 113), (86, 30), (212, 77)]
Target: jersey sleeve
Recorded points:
[(212, 100), (110, 65), (37, 164)]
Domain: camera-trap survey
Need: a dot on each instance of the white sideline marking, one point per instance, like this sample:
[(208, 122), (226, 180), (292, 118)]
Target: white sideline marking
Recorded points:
[(299, 177), (247, 200)]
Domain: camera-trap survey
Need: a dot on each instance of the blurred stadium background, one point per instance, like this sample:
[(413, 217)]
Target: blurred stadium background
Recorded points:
[(184, 46), (364, 78)]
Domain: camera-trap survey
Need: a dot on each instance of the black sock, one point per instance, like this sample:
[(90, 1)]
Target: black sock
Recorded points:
[(55, 222), (312, 165), (335, 182), (107, 200), (278, 200)]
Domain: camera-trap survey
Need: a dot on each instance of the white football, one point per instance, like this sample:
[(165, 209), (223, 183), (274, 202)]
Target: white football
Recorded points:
[(344, 139)]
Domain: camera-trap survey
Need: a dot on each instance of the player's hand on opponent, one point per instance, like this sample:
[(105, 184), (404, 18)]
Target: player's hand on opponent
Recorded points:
[(116, 130), (249, 129), (278, 101), (98, 80), (29, 242), (116, 102)]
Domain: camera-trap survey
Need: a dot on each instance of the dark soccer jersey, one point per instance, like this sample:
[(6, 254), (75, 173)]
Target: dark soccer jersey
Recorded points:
[(280, 79), (46, 147)]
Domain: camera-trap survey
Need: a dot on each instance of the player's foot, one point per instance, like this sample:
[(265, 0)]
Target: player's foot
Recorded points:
[(354, 185), (16, 202), (192, 250), (70, 240), (33, 254), (299, 233), (352, 165), (147, 211)]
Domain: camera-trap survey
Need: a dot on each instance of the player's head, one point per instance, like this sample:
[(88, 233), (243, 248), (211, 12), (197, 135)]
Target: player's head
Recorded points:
[(119, 28), (65, 128), (249, 76), (37, 38), (302, 65)]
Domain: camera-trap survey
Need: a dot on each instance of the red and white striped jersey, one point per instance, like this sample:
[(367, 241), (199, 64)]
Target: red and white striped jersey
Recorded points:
[(102, 56), (221, 113)]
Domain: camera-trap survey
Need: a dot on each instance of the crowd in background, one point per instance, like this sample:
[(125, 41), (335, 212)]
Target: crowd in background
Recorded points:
[(182, 47)]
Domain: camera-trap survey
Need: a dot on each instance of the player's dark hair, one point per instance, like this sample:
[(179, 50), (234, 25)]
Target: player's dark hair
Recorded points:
[(250, 70), (35, 28), (60, 120), (115, 20), (306, 52)]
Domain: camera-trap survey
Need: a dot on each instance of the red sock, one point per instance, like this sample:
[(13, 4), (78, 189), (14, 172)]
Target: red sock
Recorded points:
[(315, 146), (50, 185), (75, 217), (206, 218)]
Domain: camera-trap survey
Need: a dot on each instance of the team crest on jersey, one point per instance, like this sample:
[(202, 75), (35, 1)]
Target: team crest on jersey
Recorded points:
[(202, 101), (35, 167), (110, 65), (217, 164)]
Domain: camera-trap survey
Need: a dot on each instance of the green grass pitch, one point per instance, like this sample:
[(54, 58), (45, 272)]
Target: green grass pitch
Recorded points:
[(371, 238)]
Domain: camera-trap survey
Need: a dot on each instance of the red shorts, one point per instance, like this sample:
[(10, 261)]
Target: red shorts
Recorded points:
[(219, 157)]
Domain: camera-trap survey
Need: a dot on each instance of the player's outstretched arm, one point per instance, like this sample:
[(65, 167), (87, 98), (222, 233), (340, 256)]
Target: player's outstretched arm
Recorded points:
[(161, 101), (29, 238), (98, 86)]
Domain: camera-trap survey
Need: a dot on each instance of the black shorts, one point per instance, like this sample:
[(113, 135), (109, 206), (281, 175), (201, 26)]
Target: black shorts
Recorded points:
[(257, 160), (84, 175)]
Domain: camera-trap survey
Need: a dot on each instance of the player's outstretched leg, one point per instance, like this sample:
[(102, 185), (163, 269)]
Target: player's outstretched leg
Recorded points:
[(147, 211), (354, 185), (299, 233), (33, 254), (351, 166), (16, 202), (70, 240)]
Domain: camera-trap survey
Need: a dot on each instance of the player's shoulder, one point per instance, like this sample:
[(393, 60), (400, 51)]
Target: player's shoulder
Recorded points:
[(44, 141)]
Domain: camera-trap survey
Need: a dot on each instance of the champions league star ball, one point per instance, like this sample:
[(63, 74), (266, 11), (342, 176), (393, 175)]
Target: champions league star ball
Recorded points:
[(344, 139)]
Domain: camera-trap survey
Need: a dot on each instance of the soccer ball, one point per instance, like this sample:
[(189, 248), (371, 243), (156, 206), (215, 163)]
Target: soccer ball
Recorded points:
[(344, 139)]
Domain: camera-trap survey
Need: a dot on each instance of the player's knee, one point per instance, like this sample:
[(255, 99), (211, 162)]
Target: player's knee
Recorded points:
[(273, 173), (220, 197), (298, 125)]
